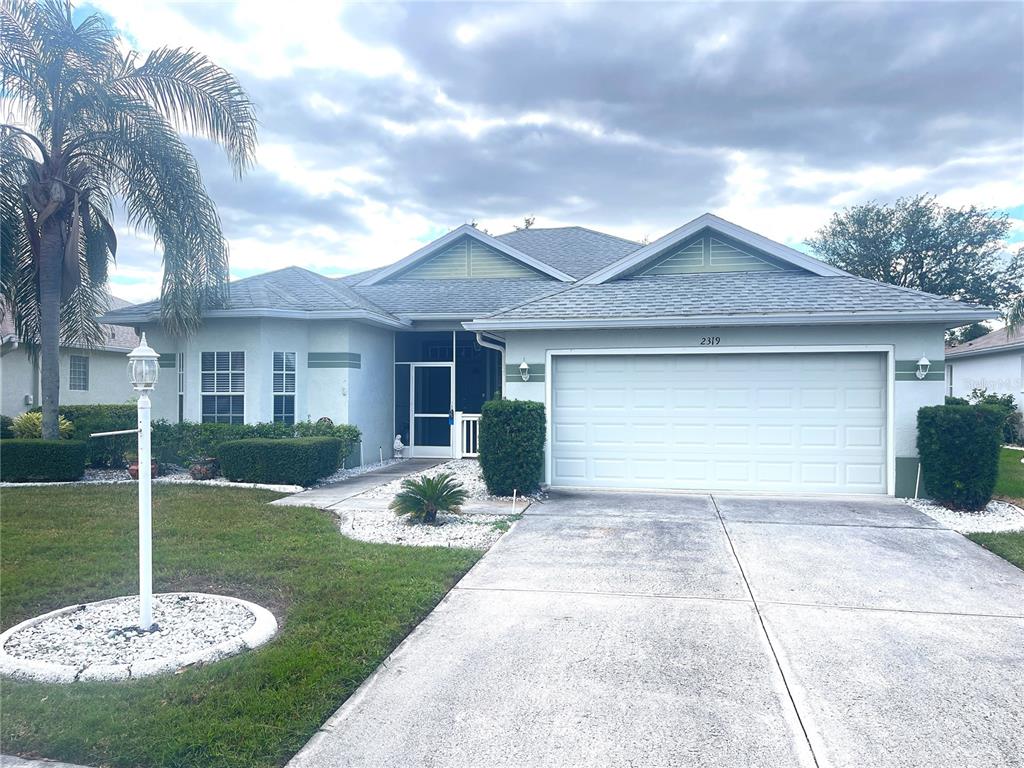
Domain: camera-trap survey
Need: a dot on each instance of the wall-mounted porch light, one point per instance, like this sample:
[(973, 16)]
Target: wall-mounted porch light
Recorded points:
[(524, 370), (922, 367)]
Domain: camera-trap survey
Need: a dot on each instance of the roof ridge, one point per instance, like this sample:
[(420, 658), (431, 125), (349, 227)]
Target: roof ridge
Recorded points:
[(572, 226)]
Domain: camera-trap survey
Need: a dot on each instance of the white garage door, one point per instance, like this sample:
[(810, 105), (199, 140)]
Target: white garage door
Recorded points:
[(765, 422)]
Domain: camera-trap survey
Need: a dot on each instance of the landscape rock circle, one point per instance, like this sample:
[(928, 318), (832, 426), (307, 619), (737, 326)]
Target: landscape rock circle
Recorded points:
[(102, 640)]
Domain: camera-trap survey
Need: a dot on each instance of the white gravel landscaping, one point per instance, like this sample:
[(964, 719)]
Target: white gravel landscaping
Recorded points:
[(475, 531), (997, 516), (466, 471), (346, 474), (102, 641), (177, 477)]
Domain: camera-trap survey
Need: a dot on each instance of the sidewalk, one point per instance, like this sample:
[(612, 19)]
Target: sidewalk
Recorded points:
[(329, 496)]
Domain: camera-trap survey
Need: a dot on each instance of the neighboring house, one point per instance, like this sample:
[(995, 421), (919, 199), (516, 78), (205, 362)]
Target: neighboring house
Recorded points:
[(87, 375), (712, 358), (994, 362)]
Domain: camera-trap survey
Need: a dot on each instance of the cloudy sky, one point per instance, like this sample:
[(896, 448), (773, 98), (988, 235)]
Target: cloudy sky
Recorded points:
[(384, 126)]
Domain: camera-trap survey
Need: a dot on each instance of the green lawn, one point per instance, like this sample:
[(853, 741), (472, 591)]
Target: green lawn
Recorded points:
[(1010, 485), (342, 606)]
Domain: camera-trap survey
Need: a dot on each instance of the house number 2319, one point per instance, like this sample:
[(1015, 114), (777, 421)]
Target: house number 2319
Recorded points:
[(710, 341)]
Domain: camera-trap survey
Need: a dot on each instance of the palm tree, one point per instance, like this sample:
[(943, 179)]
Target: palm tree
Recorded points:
[(422, 498), (95, 127)]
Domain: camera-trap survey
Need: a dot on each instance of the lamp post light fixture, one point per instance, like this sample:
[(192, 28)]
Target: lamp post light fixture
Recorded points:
[(923, 365), (524, 370), (143, 371)]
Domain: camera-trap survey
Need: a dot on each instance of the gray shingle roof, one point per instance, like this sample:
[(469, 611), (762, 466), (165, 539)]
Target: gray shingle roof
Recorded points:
[(729, 293), (114, 336), (1001, 340), (466, 297), (574, 250), (292, 288)]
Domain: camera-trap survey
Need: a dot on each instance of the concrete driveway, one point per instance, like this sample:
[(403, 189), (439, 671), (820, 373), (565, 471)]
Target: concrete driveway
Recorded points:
[(691, 630)]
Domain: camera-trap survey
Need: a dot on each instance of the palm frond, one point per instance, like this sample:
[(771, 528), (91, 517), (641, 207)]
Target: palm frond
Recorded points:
[(197, 96)]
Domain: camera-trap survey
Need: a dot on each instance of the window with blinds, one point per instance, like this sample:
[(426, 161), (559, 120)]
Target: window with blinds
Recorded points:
[(222, 387), (284, 387)]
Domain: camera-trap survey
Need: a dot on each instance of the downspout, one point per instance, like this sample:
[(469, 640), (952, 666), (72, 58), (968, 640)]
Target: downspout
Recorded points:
[(499, 347)]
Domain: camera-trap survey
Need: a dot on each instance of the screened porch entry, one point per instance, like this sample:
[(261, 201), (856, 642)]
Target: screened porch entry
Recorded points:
[(442, 379)]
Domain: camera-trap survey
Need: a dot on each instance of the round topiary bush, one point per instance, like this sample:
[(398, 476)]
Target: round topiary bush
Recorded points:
[(512, 436), (959, 447)]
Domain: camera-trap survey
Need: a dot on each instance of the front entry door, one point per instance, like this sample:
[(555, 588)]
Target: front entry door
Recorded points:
[(431, 401)]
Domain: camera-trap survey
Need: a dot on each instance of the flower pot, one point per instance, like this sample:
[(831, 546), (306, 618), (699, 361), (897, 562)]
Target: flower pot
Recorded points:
[(205, 469), (133, 469)]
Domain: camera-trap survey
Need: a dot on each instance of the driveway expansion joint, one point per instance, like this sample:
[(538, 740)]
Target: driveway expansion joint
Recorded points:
[(764, 630)]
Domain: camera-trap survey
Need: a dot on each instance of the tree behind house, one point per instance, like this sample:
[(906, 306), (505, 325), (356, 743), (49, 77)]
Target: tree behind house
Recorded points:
[(918, 243), (95, 126)]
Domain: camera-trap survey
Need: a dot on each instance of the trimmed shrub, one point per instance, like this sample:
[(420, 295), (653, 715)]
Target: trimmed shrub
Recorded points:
[(6, 431), (103, 417), (187, 442), (512, 446), (104, 451), (29, 426), (41, 461), (959, 450), (295, 461)]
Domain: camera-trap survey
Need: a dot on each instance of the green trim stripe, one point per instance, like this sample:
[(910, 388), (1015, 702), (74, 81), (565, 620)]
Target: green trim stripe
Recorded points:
[(906, 370), (512, 372), (334, 360), (168, 359)]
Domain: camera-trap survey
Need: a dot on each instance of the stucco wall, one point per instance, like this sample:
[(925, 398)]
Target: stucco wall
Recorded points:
[(108, 380), (1001, 373), (909, 343), (372, 390), (346, 394), (17, 379)]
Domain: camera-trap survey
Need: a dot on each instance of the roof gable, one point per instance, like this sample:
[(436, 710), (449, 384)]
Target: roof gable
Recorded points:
[(709, 251), (467, 257), (466, 232), (734, 238)]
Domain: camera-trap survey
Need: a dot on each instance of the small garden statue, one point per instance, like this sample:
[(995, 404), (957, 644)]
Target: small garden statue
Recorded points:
[(399, 446)]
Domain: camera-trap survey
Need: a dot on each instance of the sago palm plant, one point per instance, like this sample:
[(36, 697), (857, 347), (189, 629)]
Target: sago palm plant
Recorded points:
[(95, 128), (422, 498)]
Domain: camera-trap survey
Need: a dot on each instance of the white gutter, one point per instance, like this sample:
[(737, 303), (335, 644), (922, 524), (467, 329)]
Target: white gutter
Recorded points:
[(500, 349), (951, 319)]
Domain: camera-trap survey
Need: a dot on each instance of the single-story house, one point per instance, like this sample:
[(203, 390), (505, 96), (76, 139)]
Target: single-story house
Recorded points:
[(88, 375), (993, 362), (711, 358)]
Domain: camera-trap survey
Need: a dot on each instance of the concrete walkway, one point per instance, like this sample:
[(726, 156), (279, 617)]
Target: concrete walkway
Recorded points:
[(688, 630), (330, 496)]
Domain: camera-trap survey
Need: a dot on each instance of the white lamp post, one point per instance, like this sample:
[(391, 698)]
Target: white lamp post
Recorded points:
[(143, 369)]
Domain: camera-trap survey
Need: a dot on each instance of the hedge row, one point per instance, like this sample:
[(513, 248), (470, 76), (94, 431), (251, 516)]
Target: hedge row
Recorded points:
[(512, 435), (87, 419), (187, 442), (295, 461), (30, 461), (959, 447)]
